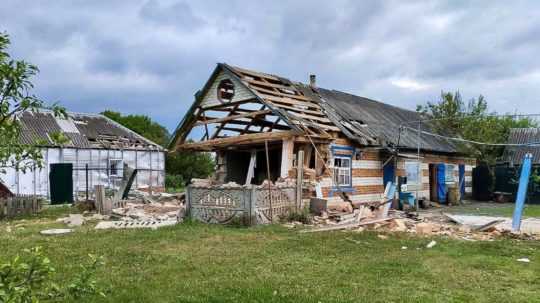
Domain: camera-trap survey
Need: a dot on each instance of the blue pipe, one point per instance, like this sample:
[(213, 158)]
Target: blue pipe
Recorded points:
[(522, 192)]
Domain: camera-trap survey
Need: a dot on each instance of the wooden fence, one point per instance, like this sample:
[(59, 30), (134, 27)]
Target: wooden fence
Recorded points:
[(19, 205), (246, 204)]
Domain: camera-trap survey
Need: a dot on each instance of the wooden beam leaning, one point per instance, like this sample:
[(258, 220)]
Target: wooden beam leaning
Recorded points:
[(234, 117)]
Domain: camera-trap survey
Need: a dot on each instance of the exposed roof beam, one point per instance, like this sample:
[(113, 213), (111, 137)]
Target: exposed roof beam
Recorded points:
[(234, 117)]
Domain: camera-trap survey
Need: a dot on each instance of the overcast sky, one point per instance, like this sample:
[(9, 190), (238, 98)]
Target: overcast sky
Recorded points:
[(151, 56)]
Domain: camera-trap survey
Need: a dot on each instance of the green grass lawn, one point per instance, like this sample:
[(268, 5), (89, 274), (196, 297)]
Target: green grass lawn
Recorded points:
[(207, 263)]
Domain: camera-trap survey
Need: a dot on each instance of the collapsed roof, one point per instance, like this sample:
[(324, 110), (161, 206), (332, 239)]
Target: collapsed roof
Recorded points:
[(80, 131), (299, 108)]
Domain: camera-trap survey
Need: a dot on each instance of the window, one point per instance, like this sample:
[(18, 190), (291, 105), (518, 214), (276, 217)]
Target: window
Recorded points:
[(225, 90), (411, 169), (116, 167), (449, 174), (342, 171)]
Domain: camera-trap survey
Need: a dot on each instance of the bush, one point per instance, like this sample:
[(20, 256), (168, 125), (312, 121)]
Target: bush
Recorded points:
[(174, 181), (29, 279)]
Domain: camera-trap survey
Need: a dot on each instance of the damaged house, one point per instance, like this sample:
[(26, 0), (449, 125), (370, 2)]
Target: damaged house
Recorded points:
[(94, 151), (351, 146)]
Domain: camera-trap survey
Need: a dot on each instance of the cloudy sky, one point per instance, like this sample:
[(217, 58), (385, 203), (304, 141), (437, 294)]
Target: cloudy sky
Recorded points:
[(151, 56)]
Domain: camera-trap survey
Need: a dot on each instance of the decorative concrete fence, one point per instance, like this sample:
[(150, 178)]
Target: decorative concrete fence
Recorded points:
[(19, 205), (243, 204)]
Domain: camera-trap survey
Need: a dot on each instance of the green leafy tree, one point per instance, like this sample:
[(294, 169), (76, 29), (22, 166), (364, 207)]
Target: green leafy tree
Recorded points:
[(181, 167), (16, 97), (142, 125), (188, 165), (472, 121)]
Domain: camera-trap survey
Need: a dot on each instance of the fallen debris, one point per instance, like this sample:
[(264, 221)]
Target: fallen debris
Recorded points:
[(524, 260), (431, 244), (56, 231), (153, 224)]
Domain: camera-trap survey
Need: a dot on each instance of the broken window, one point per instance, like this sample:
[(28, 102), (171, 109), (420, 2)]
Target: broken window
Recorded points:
[(412, 171), (225, 90), (450, 177), (342, 170), (115, 167)]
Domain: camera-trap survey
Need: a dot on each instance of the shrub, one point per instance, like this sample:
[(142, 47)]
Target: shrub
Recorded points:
[(174, 181), (29, 279)]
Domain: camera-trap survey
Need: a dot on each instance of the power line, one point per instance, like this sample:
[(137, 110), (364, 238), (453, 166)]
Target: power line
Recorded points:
[(471, 116), (472, 141)]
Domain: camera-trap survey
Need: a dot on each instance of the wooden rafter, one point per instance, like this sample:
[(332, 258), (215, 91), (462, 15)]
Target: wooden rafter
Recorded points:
[(234, 117), (218, 143)]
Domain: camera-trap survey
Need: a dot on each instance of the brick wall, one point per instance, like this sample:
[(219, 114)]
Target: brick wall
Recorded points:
[(367, 173)]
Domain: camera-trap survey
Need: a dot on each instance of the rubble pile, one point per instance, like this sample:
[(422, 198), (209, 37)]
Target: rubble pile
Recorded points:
[(422, 224), (143, 206)]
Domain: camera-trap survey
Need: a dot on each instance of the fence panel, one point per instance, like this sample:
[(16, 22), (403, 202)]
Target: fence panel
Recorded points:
[(271, 204), (19, 205), (219, 205)]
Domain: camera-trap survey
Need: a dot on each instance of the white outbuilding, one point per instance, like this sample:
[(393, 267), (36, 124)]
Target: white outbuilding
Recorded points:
[(96, 151)]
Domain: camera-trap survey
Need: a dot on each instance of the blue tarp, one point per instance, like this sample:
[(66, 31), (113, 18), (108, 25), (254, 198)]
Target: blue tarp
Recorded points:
[(441, 183)]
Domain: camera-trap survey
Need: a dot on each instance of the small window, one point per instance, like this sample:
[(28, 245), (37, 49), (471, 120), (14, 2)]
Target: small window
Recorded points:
[(116, 167), (412, 171), (450, 176), (225, 90), (342, 171)]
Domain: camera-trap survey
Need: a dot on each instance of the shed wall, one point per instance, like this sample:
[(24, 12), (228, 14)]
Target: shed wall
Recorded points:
[(150, 165)]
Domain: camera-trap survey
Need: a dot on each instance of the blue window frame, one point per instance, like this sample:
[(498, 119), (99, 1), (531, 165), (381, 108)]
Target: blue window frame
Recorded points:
[(342, 169)]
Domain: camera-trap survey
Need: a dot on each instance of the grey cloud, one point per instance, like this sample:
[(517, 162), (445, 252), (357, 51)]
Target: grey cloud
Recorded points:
[(151, 56)]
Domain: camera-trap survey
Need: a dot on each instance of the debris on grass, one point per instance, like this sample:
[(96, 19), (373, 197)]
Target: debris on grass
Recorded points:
[(56, 231), (524, 260), (431, 244)]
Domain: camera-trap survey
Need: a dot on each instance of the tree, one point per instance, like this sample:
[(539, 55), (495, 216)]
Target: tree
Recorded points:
[(188, 165), (142, 125), (15, 98), (472, 121), (181, 167)]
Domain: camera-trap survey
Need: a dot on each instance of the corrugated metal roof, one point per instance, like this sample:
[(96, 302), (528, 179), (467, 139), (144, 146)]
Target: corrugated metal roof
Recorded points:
[(82, 130), (515, 154), (382, 121)]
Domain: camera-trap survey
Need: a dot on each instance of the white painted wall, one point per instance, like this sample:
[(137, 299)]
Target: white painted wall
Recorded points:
[(240, 92), (151, 165)]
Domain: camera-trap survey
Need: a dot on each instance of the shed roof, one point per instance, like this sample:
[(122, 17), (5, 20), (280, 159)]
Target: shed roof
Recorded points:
[(515, 154), (83, 131)]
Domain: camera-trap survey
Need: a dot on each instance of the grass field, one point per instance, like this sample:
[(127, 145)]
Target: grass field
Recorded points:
[(495, 209), (200, 263)]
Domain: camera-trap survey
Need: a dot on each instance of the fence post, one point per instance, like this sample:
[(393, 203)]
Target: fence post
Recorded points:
[(100, 197), (188, 201), (299, 178)]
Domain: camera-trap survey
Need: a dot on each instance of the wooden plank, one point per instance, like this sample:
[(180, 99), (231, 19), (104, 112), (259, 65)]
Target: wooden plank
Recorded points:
[(230, 104), (253, 73), (270, 85), (313, 118), (289, 101), (234, 117), (240, 130), (280, 94), (237, 140), (298, 110)]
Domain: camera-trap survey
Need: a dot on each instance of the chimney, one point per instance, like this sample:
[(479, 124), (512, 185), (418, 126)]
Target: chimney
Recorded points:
[(313, 80)]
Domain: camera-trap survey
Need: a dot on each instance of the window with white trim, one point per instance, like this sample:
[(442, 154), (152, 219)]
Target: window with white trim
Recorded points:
[(412, 172), (342, 171), (449, 173)]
